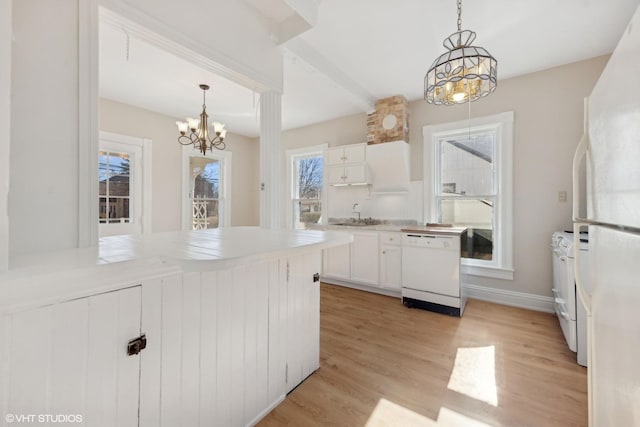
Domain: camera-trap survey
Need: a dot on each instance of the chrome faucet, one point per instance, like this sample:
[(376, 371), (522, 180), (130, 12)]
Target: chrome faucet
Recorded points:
[(356, 209)]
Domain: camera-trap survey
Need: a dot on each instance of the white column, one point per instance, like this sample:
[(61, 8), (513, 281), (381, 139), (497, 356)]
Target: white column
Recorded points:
[(88, 123), (5, 122), (271, 160), (43, 193)]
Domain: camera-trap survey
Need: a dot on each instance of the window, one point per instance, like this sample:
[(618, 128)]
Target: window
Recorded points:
[(206, 180), (113, 191), (306, 174), (470, 166), (121, 199)]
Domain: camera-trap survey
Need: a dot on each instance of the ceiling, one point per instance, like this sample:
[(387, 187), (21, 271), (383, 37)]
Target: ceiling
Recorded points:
[(363, 50)]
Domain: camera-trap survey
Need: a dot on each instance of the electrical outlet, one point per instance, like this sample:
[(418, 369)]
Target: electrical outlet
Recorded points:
[(562, 196)]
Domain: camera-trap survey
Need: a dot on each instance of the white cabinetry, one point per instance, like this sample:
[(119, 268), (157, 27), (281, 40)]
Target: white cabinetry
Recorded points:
[(70, 358), (373, 259), (364, 257), (337, 262), (390, 260), (223, 347), (346, 164)]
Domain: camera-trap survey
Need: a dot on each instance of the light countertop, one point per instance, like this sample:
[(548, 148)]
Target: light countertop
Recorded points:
[(129, 259)]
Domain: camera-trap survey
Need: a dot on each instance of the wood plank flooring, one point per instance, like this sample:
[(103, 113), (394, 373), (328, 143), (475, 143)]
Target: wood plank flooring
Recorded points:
[(382, 364)]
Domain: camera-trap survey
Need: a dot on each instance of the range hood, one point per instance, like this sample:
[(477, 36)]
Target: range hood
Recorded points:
[(389, 167)]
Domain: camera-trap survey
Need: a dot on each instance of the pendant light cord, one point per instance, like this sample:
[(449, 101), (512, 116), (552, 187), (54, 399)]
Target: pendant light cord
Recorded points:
[(459, 15)]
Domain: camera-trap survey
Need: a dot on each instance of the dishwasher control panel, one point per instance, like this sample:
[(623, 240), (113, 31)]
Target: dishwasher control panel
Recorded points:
[(429, 241)]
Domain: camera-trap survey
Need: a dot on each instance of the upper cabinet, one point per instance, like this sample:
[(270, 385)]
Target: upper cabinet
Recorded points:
[(338, 156), (346, 165)]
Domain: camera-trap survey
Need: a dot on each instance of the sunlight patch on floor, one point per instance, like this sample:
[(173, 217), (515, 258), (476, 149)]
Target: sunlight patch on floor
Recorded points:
[(389, 414), (474, 374)]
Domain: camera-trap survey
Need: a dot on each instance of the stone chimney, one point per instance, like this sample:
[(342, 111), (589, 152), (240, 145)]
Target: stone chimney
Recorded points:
[(390, 121)]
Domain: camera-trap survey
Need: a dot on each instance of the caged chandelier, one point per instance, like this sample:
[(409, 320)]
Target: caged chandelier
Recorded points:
[(464, 73), (199, 136)]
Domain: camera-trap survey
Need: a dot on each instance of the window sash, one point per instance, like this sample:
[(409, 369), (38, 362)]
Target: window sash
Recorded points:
[(501, 267)]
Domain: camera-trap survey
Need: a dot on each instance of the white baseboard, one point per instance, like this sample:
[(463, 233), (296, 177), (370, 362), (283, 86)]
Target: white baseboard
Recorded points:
[(516, 299)]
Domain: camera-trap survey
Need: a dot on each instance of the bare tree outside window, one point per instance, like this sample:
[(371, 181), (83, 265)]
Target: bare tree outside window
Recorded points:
[(308, 194)]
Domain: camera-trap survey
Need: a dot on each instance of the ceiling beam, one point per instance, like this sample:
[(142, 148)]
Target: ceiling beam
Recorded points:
[(315, 59)]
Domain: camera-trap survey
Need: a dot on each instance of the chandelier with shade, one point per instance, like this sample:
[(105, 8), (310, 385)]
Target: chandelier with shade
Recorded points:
[(463, 74), (200, 136)]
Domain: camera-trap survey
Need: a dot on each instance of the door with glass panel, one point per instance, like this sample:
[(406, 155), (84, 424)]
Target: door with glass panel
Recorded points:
[(119, 188), (204, 195)]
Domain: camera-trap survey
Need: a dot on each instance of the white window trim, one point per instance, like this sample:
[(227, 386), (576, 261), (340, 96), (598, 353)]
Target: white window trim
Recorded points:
[(144, 187), (224, 200), (502, 267), (298, 152)]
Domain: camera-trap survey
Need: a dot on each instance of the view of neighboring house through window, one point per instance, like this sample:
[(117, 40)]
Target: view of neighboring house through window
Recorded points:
[(114, 187), (470, 163), (124, 203), (466, 190), (205, 195), (307, 188)]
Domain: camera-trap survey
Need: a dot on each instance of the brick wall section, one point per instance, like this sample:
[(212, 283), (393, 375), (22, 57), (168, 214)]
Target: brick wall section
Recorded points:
[(399, 107)]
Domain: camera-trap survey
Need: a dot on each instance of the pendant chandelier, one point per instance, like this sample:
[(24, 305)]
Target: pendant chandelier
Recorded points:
[(464, 73), (199, 136)]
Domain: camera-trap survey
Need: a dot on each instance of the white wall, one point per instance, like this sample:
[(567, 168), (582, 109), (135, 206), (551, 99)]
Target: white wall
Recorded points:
[(548, 109), (5, 122), (43, 191), (45, 173), (341, 131), (167, 162), (548, 125)]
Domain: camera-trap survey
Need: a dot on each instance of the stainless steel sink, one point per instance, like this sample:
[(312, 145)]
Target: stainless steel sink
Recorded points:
[(357, 223)]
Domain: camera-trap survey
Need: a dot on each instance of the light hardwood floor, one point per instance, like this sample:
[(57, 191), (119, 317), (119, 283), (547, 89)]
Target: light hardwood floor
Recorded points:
[(382, 364)]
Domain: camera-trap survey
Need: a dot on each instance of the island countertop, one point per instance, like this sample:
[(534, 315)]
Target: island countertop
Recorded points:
[(121, 260)]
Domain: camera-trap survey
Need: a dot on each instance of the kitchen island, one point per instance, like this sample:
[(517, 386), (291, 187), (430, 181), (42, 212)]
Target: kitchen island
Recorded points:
[(208, 327)]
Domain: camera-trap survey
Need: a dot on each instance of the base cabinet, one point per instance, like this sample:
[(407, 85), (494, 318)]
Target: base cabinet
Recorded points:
[(222, 348), (70, 359), (373, 259), (364, 258), (391, 267), (337, 262)]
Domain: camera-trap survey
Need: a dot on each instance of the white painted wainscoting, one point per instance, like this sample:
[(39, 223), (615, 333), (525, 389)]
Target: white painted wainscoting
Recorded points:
[(223, 347)]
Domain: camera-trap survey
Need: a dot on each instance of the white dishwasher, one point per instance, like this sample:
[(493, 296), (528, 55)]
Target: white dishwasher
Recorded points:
[(431, 271)]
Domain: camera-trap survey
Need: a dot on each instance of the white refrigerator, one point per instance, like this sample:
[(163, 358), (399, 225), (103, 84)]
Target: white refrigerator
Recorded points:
[(612, 147)]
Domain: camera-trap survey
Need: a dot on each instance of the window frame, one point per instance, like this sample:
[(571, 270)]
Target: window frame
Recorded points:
[(501, 266), (140, 183), (292, 155), (224, 189)]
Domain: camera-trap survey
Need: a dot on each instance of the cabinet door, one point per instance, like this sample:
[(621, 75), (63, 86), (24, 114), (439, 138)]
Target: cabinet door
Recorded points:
[(364, 258), (303, 340), (391, 266), (354, 153), (71, 358), (337, 262), (335, 174), (355, 173), (334, 156)]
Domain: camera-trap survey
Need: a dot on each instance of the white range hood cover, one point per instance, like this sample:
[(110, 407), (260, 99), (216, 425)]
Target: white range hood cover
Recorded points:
[(389, 166)]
